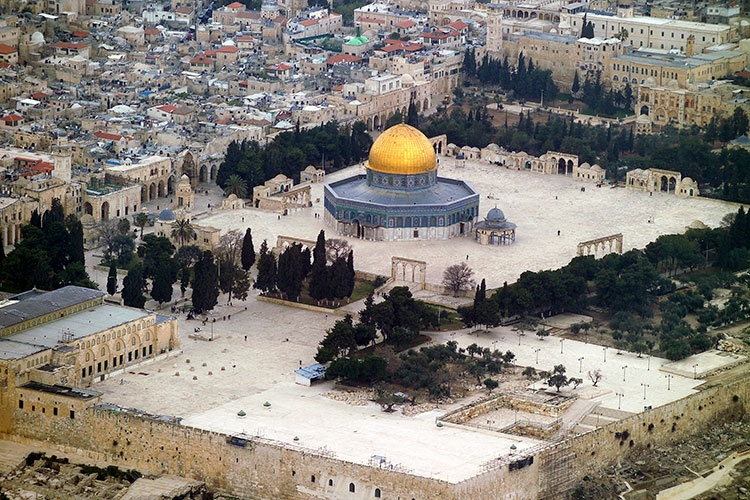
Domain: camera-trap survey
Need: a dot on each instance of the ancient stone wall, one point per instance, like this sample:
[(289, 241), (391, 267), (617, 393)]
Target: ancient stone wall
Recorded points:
[(267, 470)]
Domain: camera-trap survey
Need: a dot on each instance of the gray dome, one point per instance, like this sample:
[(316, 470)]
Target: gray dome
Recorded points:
[(166, 215), (495, 215)]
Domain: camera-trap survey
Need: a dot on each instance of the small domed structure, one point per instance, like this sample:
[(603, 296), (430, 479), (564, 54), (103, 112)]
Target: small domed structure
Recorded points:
[(167, 215), (495, 229)]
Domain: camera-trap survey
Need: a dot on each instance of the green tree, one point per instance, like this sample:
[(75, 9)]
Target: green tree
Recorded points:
[(132, 288), (183, 231), (266, 280), (112, 278), (338, 342), (248, 251), (184, 279), (76, 243), (235, 185), (576, 84), (205, 283), (558, 378), (161, 289), (141, 220), (319, 286)]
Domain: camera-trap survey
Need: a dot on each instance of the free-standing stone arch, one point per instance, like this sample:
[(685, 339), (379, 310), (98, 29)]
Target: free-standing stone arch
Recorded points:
[(601, 246), (411, 270)]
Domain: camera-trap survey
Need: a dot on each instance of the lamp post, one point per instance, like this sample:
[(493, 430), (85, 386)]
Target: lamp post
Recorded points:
[(695, 370), (648, 360), (519, 337), (537, 354), (619, 400), (580, 364), (644, 390), (605, 354), (625, 367), (669, 381), (561, 345)]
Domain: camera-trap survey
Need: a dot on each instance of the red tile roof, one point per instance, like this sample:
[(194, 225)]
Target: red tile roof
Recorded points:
[(107, 136), (342, 58), (279, 67), (236, 5), (245, 39), (151, 31), (201, 59), (309, 22), (406, 24), (228, 49), (7, 49), (167, 108), (210, 53), (67, 45), (458, 25), (12, 118), (80, 34)]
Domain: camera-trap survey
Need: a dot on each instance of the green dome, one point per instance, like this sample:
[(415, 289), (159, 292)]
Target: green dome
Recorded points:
[(359, 40)]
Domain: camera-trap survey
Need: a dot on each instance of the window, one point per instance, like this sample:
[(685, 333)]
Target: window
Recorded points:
[(377, 492), (351, 487), (20, 404), (330, 482), (72, 414), (54, 411), (312, 478)]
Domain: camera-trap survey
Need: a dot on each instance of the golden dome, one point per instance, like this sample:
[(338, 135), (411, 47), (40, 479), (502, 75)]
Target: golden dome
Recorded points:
[(402, 149)]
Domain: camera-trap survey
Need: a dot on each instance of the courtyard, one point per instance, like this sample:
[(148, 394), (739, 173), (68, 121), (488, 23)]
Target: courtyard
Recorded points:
[(541, 205)]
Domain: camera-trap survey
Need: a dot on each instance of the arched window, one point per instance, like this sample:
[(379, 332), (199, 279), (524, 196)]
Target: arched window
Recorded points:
[(148, 335), (104, 351), (312, 478), (132, 342), (330, 482), (351, 487), (377, 492)]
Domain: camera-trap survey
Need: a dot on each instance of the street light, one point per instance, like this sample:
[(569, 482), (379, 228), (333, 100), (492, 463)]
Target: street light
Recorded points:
[(669, 381), (619, 399), (561, 345), (649, 363), (580, 364), (605, 354), (644, 390), (537, 354), (695, 370), (519, 337), (625, 367)]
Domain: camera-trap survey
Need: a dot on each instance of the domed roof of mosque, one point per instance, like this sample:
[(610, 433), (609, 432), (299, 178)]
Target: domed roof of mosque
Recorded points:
[(402, 149), (166, 215)]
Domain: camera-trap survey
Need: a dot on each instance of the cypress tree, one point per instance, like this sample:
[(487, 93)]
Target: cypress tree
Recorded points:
[(339, 282), (248, 251), (161, 291), (205, 283), (576, 84), (266, 280), (132, 288), (184, 279), (351, 275), (76, 243), (36, 220), (319, 280), (112, 278)]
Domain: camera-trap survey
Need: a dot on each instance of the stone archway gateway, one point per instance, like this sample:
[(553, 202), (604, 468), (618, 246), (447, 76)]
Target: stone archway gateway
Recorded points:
[(403, 269)]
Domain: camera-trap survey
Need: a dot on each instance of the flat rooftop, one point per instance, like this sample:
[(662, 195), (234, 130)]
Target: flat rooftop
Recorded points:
[(79, 325), (32, 304), (62, 390)]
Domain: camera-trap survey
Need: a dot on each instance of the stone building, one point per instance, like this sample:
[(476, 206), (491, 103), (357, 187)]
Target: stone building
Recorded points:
[(551, 162), (586, 172), (154, 174), (666, 181), (71, 336), (401, 196)]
